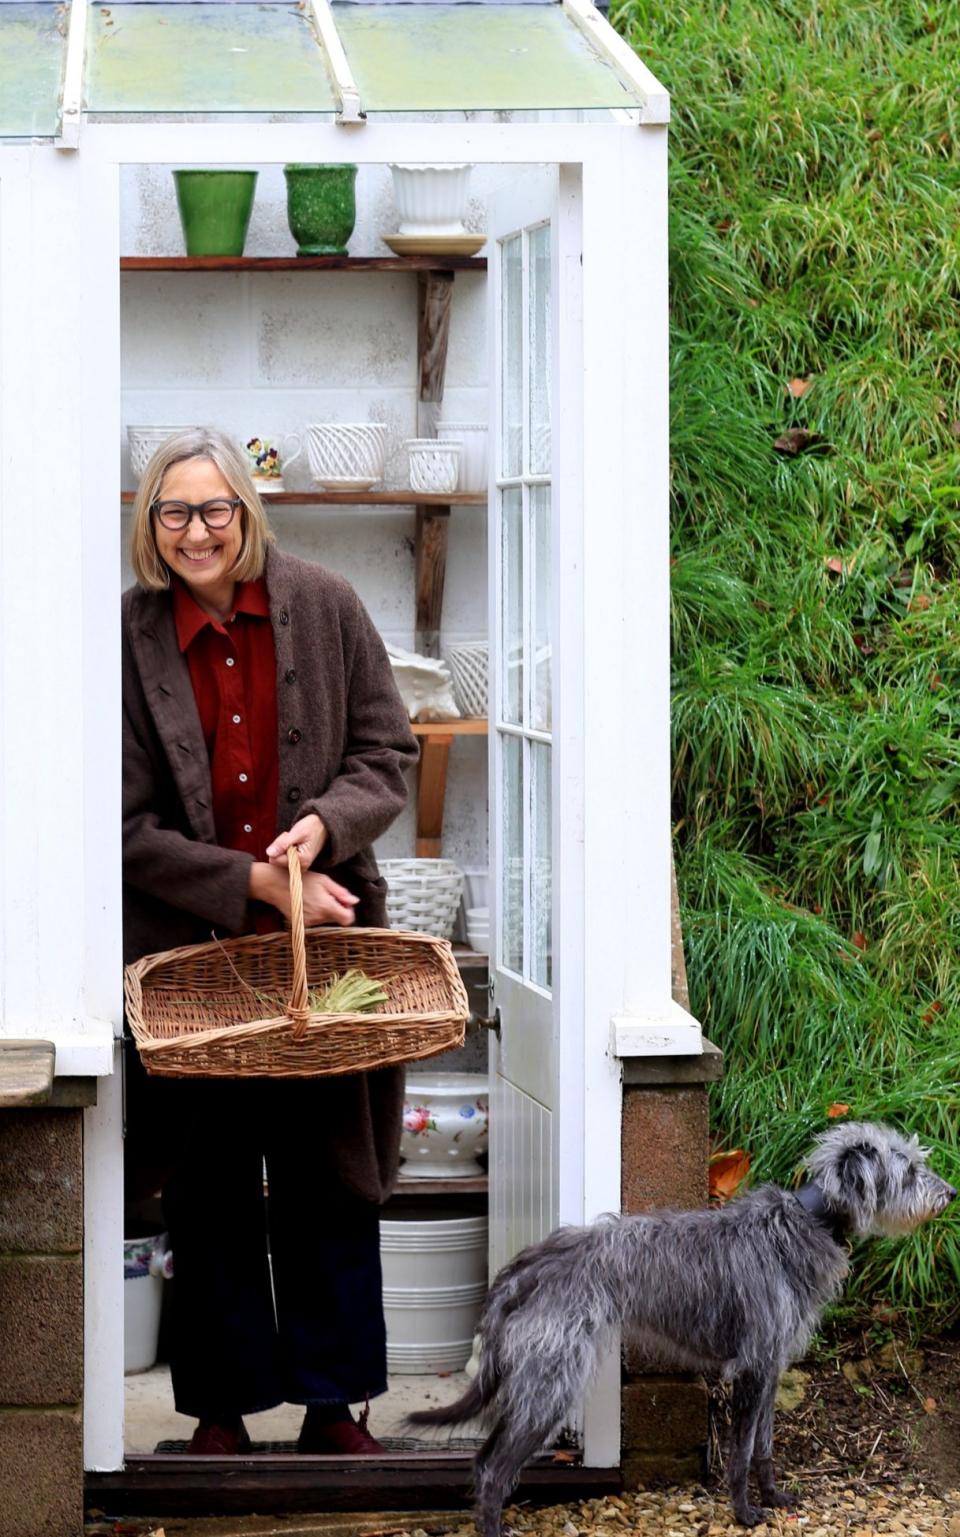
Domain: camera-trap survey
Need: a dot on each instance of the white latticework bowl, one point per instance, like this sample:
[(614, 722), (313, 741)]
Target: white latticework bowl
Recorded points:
[(470, 667), (423, 894), (346, 455), (434, 466), (144, 442)]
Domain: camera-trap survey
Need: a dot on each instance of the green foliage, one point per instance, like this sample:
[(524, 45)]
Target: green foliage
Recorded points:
[(815, 259)]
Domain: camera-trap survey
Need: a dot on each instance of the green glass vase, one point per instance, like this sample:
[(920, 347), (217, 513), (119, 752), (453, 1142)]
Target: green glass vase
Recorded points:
[(321, 207), (215, 210)]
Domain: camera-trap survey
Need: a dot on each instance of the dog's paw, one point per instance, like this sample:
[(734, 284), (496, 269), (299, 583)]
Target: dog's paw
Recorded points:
[(779, 1499), (748, 1515)]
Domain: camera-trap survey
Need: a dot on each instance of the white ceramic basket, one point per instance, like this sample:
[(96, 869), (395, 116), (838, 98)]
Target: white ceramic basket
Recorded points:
[(423, 894), (434, 466), (434, 1283), (346, 456), (431, 199), (470, 667), (445, 1124), (144, 442), (473, 458)]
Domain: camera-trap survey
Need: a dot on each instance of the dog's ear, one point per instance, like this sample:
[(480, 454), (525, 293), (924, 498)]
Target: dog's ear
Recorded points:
[(851, 1181)]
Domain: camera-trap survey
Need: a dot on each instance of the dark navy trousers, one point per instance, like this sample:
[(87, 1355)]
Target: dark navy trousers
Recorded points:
[(240, 1344)]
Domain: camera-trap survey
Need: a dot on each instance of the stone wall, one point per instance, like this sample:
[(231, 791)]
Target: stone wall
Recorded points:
[(664, 1163), (41, 1322)]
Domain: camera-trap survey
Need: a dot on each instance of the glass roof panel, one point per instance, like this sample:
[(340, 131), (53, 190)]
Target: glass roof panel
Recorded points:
[(204, 58), (444, 58), (33, 40)]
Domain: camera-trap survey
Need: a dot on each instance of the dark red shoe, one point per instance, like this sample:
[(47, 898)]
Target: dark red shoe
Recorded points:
[(213, 1440), (337, 1438)]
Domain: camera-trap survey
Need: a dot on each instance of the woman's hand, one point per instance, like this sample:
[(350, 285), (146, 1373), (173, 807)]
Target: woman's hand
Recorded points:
[(324, 900), (308, 837)]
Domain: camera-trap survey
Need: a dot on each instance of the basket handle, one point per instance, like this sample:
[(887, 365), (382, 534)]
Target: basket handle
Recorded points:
[(298, 1011)]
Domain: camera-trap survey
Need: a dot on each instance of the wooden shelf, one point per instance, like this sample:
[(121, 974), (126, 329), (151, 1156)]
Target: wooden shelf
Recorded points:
[(303, 264), (471, 960), (409, 1184), (462, 727), (402, 498)]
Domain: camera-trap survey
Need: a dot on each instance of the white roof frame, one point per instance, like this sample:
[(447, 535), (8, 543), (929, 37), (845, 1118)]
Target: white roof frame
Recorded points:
[(606, 43)]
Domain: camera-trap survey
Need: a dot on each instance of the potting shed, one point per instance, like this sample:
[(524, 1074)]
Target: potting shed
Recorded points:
[(555, 335)]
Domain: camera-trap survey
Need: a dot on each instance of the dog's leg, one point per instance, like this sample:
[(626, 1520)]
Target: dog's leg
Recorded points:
[(498, 1466), (747, 1405), (763, 1454)]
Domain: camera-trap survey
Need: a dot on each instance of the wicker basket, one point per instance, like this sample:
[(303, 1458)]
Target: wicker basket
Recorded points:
[(194, 1011), (423, 894), (470, 667)]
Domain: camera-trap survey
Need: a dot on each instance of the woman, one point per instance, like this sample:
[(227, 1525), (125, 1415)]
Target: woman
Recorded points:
[(259, 712)]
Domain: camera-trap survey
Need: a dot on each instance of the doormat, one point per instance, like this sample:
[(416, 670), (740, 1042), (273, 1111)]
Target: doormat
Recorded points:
[(466, 1445)]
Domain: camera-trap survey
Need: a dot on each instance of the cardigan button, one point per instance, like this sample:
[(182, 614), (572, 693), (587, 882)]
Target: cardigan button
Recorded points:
[(293, 735), (291, 675), (293, 794), (283, 616)]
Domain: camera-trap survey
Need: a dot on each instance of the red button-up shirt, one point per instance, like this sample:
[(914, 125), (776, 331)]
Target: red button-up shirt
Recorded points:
[(234, 676)]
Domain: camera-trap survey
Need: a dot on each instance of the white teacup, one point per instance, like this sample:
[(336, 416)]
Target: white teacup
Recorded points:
[(267, 461)]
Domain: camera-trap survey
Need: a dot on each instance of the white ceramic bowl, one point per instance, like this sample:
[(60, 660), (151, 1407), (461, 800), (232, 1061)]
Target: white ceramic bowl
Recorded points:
[(144, 442), (434, 466), (444, 1124), (346, 456), (431, 199), (473, 459)]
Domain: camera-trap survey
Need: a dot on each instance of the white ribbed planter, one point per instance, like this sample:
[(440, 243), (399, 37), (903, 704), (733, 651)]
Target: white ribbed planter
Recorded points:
[(434, 1283), (431, 199)]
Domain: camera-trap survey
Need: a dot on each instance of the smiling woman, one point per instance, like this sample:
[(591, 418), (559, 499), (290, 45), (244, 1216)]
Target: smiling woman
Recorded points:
[(260, 714)]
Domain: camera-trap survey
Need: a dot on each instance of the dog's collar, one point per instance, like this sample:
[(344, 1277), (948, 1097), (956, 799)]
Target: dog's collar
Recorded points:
[(810, 1197)]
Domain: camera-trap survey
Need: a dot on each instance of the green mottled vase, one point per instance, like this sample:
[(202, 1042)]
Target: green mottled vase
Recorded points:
[(321, 207), (215, 210)]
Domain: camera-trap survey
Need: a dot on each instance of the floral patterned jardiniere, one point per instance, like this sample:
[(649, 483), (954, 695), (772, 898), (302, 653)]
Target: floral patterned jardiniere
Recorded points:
[(321, 207), (444, 1124)]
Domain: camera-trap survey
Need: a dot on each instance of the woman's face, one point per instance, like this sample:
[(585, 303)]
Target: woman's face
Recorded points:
[(202, 556)]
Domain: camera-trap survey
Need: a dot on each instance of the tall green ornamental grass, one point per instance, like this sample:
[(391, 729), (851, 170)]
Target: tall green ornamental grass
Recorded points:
[(815, 258)]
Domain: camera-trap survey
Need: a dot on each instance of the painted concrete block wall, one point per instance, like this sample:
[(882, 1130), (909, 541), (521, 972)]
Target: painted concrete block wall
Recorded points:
[(266, 354)]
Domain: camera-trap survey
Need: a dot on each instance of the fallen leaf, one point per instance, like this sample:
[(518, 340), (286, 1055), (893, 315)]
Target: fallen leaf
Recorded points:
[(835, 1111), (563, 1457), (920, 600), (728, 1172), (930, 1014), (859, 940), (796, 439), (798, 387), (874, 135), (792, 1390), (723, 226), (935, 681), (930, 1405)]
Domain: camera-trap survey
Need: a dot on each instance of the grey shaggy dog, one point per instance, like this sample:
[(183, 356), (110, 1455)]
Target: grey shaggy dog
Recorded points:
[(733, 1291)]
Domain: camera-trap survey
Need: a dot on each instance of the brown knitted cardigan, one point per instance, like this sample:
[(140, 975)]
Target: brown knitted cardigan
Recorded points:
[(344, 743)]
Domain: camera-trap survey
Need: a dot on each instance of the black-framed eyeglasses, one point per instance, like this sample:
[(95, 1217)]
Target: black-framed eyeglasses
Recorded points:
[(216, 513)]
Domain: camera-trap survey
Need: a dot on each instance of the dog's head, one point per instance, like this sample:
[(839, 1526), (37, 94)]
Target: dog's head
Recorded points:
[(876, 1179)]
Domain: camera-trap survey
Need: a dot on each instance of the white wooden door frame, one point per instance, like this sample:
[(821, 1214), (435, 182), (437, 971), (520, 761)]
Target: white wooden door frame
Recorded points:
[(59, 428)]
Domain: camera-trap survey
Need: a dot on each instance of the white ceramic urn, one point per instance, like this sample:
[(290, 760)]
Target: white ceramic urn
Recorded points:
[(444, 1124)]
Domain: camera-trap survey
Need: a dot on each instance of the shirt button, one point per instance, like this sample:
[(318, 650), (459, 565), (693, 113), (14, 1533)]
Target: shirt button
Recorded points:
[(242, 778), (293, 794), (283, 616), (291, 675), (247, 827), (230, 661), (293, 735), (236, 720)]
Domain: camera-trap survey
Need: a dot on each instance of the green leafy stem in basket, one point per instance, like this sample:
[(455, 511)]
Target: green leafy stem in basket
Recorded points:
[(352, 993)]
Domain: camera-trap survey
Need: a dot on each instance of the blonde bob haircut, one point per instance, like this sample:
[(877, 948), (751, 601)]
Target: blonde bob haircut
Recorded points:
[(150, 570)]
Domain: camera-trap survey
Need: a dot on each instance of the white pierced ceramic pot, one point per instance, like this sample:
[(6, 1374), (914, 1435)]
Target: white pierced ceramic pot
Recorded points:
[(445, 1118), (472, 436), (431, 199), (346, 456), (434, 466), (144, 442)]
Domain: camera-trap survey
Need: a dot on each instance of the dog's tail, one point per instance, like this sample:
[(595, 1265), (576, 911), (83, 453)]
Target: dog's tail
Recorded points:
[(467, 1407)]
